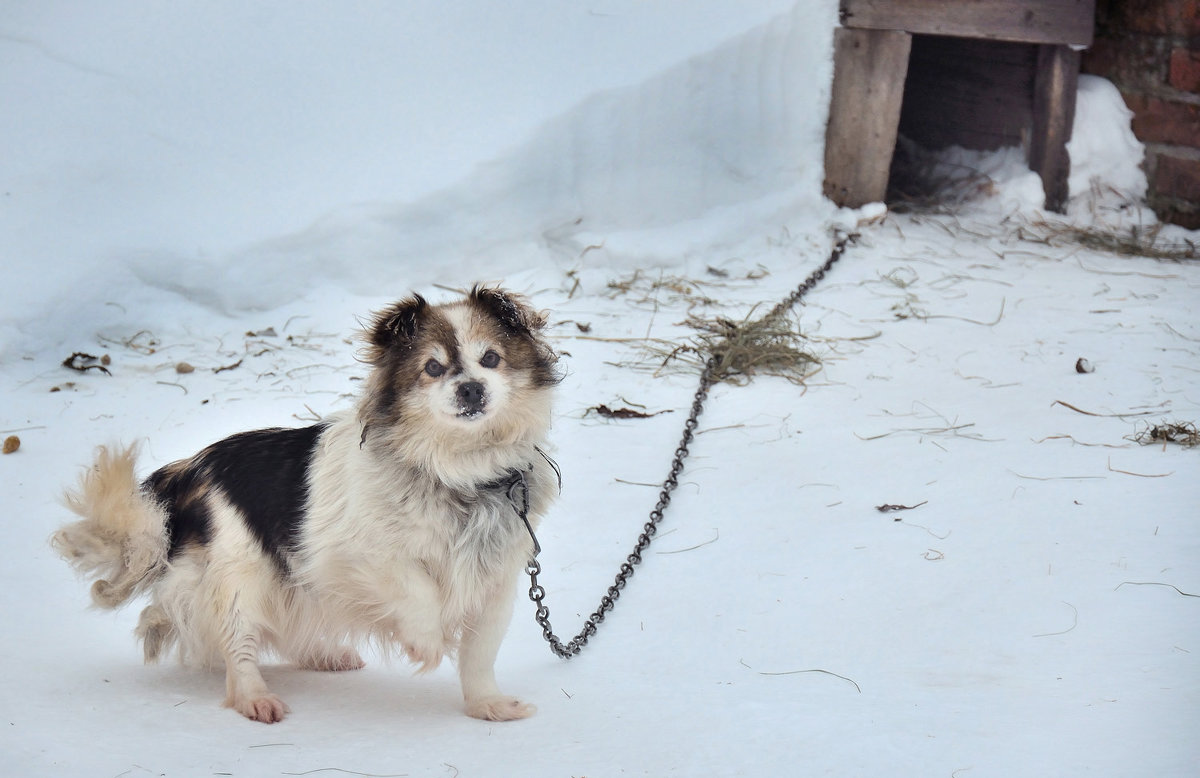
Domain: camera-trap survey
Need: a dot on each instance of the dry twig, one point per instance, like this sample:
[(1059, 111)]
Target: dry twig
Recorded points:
[(801, 672), (623, 413), (81, 363), (889, 508), (1156, 583), (1183, 433)]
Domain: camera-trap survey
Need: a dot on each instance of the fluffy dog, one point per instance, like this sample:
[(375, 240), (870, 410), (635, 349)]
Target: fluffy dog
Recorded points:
[(397, 523)]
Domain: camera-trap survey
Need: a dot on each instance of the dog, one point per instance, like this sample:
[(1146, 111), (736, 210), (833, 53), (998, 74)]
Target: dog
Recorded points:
[(404, 523)]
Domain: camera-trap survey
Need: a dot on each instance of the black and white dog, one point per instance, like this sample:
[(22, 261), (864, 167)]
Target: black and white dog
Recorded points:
[(394, 524)]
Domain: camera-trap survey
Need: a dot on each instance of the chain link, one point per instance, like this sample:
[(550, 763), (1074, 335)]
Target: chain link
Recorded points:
[(708, 377)]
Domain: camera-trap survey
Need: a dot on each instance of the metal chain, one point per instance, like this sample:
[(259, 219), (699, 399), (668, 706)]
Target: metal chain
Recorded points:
[(708, 377)]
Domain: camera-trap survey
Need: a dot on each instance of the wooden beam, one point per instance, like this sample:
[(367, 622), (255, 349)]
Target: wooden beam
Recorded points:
[(1054, 90), (869, 68), (1024, 21)]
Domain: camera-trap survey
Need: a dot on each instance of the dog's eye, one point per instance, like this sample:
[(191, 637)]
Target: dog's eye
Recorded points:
[(490, 359), (434, 369)]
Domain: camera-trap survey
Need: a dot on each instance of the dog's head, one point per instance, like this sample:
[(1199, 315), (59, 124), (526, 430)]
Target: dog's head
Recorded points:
[(465, 374)]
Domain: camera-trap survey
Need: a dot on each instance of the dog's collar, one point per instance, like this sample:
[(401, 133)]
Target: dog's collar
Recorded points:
[(513, 476), (507, 482)]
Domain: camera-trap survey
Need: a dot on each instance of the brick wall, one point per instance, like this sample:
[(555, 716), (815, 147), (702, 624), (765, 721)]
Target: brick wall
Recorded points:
[(1151, 50)]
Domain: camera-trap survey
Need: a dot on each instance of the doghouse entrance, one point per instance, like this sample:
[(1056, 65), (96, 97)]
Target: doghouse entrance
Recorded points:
[(977, 94)]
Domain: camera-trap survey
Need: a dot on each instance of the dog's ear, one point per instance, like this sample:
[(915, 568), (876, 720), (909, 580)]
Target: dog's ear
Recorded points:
[(396, 325), (509, 309)]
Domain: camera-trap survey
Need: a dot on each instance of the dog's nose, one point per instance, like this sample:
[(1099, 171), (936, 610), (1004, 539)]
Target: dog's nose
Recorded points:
[(470, 396)]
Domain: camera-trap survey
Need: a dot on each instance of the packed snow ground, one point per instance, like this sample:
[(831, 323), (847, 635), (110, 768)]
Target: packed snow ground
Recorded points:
[(1034, 614)]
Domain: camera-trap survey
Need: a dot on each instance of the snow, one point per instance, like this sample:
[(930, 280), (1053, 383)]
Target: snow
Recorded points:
[(240, 184), (1114, 154)]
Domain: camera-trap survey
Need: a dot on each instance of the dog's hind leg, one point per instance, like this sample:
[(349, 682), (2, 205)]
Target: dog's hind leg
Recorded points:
[(245, 690), (237, 631), (156, 631), (332, 659)]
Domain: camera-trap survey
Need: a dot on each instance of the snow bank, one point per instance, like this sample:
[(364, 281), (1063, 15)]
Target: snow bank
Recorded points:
[(195, 150), (733, 128)]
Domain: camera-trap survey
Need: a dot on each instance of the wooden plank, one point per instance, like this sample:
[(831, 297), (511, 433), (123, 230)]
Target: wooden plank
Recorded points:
[(1053, 116), (869, 68), (1023, 21)]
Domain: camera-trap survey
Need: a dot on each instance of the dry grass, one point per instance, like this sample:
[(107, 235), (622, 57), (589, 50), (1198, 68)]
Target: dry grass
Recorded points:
[(1136, 241), (740, 350), (645, 289), (771, 345), (1183, 433)]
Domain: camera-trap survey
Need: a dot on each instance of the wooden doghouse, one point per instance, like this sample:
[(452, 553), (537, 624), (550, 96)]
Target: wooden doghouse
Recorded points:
[(975, 73)]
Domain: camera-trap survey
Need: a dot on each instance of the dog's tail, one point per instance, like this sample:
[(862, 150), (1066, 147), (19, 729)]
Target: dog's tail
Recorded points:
[(121, 540)]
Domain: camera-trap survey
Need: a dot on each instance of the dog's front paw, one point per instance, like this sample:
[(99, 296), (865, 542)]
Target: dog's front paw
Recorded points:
[(500, 708), (268, 708)]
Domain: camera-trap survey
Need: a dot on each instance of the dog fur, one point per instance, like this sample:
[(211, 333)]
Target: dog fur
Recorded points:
[(394, 524)]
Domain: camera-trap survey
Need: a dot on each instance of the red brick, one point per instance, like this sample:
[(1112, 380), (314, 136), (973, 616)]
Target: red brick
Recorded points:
[(1185, 70), (1133, 61), (1177, 178), (1184, 216), (1164, 121), (1163, 17), (1102, 58)]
